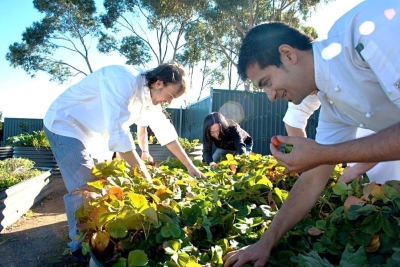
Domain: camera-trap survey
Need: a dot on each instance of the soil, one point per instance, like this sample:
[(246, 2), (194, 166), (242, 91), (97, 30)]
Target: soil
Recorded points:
[(40, 237)]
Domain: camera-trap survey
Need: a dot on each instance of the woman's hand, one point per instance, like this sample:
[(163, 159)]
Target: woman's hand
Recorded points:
[(213, 165)]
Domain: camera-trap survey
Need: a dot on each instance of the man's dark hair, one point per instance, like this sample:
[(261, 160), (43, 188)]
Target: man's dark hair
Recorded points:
[(261, 45), (169, 73)]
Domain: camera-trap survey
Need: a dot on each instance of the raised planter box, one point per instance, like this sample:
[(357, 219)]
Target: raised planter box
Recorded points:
[(6, 152), (42, 156), (160, 153), (18, 199)]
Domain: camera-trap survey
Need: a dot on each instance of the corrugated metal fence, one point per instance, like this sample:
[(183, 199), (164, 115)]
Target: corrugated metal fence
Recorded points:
[(260, 117)]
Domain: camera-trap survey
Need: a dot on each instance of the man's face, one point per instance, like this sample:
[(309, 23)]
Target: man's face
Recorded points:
[(280, 82), (161, 94)]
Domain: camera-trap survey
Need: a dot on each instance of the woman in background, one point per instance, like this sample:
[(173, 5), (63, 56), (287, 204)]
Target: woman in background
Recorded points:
[(226, 135)]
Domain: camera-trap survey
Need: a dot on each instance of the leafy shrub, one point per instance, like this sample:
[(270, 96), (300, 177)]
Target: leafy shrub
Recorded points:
[(187, 145), (35, 139), (182, 221), (15, 170)]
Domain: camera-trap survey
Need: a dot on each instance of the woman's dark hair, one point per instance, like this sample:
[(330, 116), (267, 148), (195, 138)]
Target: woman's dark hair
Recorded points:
[(209, 121), (261, 45), (169, 73)]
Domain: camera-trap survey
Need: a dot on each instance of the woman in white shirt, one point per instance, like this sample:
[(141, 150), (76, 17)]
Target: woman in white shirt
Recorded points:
[(90, 120)]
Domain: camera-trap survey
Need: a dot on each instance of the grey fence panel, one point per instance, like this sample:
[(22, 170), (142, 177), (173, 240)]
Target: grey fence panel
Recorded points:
[(195, 113), (15, 126), (252, 110), (260, 117)]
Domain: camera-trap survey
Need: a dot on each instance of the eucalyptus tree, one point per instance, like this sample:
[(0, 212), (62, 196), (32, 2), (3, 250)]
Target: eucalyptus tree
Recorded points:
[(229, 20), (59, 44), (200, 58), (153, 29)]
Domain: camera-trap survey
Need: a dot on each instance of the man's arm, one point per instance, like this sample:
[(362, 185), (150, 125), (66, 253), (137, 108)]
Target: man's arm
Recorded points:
[(301, 199), (293, 131), (143, 140), (132, 158), (355, 171), (382, 146)]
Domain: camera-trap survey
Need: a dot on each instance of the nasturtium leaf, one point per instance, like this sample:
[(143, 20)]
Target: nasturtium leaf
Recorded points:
[(171, 246), (321, 224), (362, 238), (117, 228), (390, 228), (120, 262), (81, 213), (151, 214), (137, 258), (244, 211), (183, 258), (352, 258), (133, 220), (193, 264), (372, 224), (139, 202), (340, 188), (389, 191), (314, 231), (216, 256), (100, 241), (396, 257), (278, 193), (353, 212), (352, 200), (117, 192), (106, 217), (241, 228), (171, 229), (319, 247), (313, 259), (265, 181), (98, 184), (374, 244)]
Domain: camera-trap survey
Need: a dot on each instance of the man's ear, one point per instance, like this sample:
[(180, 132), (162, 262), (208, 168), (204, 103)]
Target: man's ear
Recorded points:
[(288, 54)]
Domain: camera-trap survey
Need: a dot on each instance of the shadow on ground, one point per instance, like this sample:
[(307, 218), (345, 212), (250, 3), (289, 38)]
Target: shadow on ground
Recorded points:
[(39, 239)]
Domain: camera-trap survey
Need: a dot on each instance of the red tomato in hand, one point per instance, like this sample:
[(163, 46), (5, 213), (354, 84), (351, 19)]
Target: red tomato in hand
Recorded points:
[(275, 141)]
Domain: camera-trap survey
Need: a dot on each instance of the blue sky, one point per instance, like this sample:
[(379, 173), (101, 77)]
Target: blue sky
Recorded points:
[(24, 97)]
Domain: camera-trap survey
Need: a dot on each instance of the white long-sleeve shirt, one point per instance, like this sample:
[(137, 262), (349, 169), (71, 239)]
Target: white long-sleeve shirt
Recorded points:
[(100, 108), (359, 89)]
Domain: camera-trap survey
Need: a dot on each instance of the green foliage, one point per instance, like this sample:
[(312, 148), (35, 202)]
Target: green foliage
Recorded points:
[(187, 145), (182, 221), (36, 139), (15, 170)]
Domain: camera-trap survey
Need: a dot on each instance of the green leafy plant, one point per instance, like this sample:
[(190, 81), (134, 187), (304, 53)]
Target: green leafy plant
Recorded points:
[(15, 170), (35, 139), (181, 221), (187, 145)]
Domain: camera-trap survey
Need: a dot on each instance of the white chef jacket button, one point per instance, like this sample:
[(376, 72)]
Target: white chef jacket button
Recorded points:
[(330, 101), (368, 115), (361, 125), (337, 89)]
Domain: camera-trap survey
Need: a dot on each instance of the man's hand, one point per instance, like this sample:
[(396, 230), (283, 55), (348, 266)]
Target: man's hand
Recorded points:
[(194, 172), (146, 156), (351, 173), (305, 154), (256, 254)]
